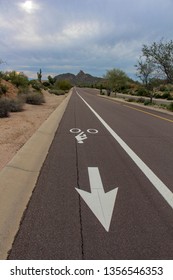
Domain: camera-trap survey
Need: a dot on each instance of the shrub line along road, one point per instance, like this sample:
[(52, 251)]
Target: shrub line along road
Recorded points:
[(105, 189)]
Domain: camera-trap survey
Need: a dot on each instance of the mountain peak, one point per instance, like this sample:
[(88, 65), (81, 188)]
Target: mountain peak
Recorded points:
[(81, 73), (80, 78)]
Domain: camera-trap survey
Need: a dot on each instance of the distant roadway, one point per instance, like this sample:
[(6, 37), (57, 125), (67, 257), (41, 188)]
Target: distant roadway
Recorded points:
[(105, 190)]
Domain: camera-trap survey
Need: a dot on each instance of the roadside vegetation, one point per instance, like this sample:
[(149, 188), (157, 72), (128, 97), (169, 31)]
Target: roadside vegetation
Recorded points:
[(26, 91), (16, 90), (154, 69), (56, 87)]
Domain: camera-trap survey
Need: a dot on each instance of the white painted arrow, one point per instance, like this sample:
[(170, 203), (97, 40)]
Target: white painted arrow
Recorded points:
[(100, 203)]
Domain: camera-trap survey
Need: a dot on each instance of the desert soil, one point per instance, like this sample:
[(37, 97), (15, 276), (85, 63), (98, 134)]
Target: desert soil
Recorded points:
[(19, 127)]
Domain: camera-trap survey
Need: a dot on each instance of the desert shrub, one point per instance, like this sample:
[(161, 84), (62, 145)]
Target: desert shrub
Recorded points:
[(5, 76), (36, 85), (16, 105), (141, 100), (3, 89), (35, 98), (57, 91), (157, 95), (164, 106), (163, 88), (4, 107), (170, 97), (147, 102), (46, 84), (63, 85), (19, 80), (170, 107), (23, 90), (166, 95), (142, 92), (130, 100)]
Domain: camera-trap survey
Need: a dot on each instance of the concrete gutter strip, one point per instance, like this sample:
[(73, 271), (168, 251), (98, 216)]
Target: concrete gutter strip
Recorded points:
[(19, 176)]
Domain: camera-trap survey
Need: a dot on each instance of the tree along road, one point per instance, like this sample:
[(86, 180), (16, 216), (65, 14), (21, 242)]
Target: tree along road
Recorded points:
[(105, 190)]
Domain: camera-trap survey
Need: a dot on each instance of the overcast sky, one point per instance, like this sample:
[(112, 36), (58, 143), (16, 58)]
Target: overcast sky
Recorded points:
[(62, 36)]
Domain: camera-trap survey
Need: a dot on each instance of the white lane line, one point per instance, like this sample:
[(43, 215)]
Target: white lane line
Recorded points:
[(157, 183)]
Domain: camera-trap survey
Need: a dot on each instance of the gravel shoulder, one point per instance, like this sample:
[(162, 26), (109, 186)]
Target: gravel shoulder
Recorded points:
[(19, 127)]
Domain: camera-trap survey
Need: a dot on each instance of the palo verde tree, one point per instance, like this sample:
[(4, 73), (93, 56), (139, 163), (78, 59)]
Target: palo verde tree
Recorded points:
[(116, 79), (145, 72), (161, 56)]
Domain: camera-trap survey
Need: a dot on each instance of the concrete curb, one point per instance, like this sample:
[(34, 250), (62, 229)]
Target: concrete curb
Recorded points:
[(121, 100), (19, 176)]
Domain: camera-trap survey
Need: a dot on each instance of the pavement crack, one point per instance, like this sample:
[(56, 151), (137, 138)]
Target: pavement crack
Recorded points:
[(22, 169), (78, 186)]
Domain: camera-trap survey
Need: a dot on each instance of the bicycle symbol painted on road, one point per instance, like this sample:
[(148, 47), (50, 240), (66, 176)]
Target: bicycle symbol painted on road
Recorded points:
[(82, 135)]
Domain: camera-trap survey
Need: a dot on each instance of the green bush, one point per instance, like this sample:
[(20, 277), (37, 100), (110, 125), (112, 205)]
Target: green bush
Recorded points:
[(170, 107), (170, 97), (35, 98), (5, 76), (147, 102), (157, 95), (3, 89), (57, 91), (166, 95), (46, 84), (142, 92), (166, 88), (36, 85), (63, 85), (4, 107), (163, 88), (164, 106), (19, 80)]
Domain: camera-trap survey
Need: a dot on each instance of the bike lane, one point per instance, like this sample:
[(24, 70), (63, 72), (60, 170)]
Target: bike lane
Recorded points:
[(59, 225)]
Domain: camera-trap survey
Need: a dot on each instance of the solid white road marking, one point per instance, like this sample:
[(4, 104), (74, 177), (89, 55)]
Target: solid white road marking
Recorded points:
[(157, 183), (100, 203)]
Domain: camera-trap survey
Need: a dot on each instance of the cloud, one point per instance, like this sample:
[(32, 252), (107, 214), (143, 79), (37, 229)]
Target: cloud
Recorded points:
[(72, 35), (81, 29)]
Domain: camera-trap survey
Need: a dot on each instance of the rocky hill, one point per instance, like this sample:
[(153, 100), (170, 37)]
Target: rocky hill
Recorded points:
[(80, 79)]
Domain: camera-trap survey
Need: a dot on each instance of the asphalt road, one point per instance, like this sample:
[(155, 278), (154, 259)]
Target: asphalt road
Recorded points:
[(58, 224)]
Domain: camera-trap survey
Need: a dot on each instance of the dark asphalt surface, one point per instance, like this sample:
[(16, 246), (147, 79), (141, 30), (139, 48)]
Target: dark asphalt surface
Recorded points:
[(57, 223)]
